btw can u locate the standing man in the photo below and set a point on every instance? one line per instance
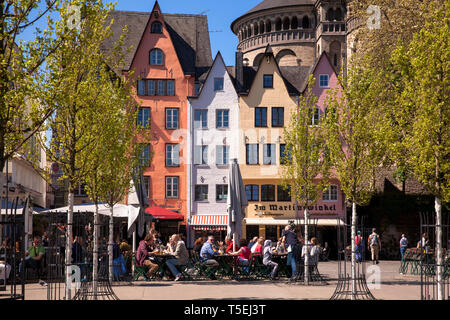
(359, 247)
(403, 245)
(374, 245)
(290, 238)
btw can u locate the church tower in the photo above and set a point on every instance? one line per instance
(331, 30)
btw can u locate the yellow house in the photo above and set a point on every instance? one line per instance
(265, 108)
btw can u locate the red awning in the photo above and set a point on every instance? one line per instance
(163, 213)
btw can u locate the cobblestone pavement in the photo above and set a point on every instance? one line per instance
(393, 286)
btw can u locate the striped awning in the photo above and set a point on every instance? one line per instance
(210, 222)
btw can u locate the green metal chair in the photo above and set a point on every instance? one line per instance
(139, 271)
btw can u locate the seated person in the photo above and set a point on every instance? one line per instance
(181, 256)
(281, 246)
(34, 257)
(258, 247)
(267, 258)
(198, 244)
(207, 252)
(244, 254)
(118, 261)
(229, 245)
(124, 246)
(144, 252)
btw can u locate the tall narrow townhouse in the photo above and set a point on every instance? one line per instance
(169, 52)
(268, 98)
(213, 123)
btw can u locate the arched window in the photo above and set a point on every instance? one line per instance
(268, 26)
(255, 27)
(249, 31)
(156, 27)
(305, 22)
(261, 27)
(156, 57)
(330, 15)
(338, 14)
(278, 24)
(286, 23)
(294, 23)
(335, 60)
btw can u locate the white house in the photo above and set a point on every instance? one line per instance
(213, 139)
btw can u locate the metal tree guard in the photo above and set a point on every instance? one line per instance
(83, 227)
(428, 256)
(315, 278)
(11, 232)
(344, 287)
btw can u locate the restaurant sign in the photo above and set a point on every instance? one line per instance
(279, 210)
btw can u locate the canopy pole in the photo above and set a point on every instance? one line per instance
(134, 251)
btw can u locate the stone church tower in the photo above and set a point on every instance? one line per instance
(297, 30)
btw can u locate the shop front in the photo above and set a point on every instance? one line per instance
(167, 222)
(202, 225)
(271, 208)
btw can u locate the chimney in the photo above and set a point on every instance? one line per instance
(240, 69)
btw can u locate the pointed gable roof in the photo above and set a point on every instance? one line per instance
(323, 56)
(218, 58)
(189, 34)
(250, 75)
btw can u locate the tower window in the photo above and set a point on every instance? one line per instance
(305, 22)
(156, 27)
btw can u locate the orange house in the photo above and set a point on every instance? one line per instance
(169, 54)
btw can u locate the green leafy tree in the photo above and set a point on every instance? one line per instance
(305, 168)
(422, 113)
(85, 91)
(21, 114)
(354, 138)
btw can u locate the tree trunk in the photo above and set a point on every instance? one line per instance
(95, 254)
(69, 241)
(439, 260)
(353, 244)
(306, 271)
(110, 246)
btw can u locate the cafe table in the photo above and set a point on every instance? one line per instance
(160, 260)
(226, 264)
(281, 259)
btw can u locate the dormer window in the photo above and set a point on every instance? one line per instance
(324, 81)
(156, 27)
(156, 57)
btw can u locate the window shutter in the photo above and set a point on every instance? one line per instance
(197, 154)
(204, 154)
(176, 155)
(219, 155)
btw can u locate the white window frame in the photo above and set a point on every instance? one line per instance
(329, 195)
(222, 82)
(145, 123)
(156, 57)
(203, 123)
(172, 124)
(174, 183)
(322, 80)
(201, 155)
(222, 155)
(172, 155)
(220, 123)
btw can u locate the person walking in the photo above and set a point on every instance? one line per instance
(374, 243)
(359, 246)
(403, 246)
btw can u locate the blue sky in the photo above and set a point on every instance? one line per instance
(220, 13)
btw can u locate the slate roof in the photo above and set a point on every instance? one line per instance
(189, 34)
(270, 4)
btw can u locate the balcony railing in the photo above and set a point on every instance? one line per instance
(284, 36)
